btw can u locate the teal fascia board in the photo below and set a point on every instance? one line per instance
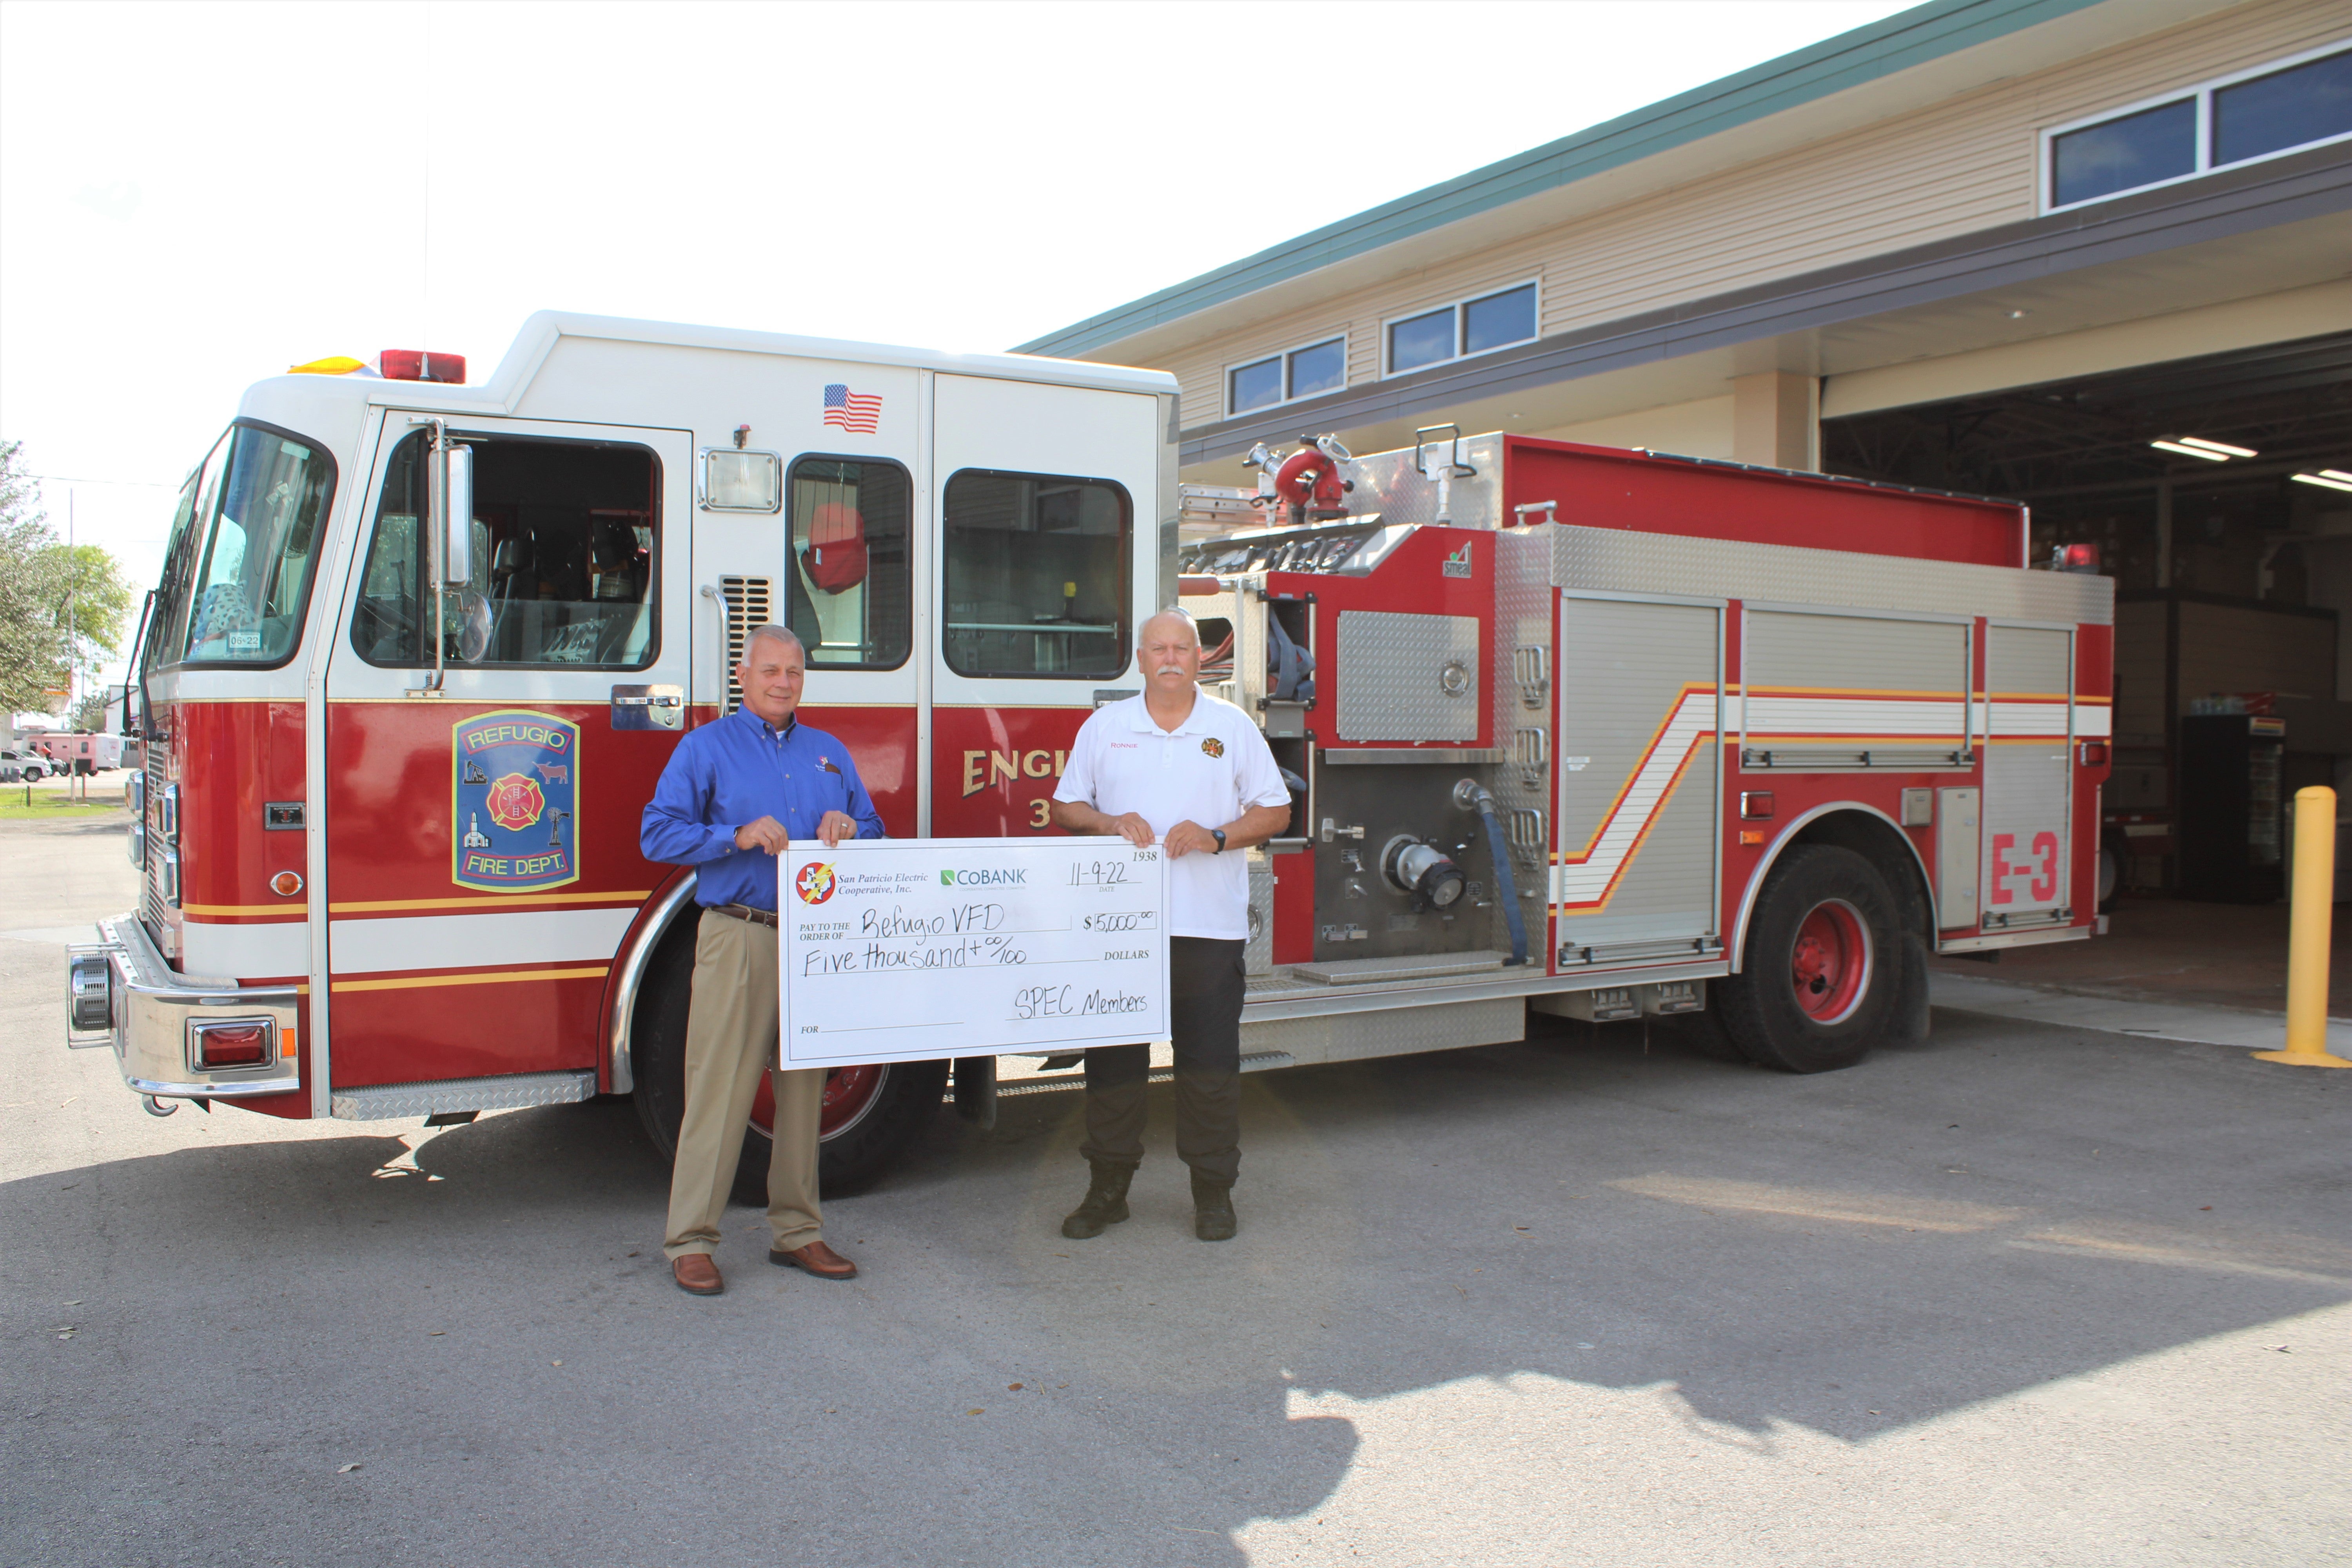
(1895, 43)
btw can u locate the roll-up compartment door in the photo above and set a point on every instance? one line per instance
(1825, 690)
(2027, 785)
(1640, 700)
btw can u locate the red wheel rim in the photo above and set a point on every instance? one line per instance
(1829, 967)
(849, 1094)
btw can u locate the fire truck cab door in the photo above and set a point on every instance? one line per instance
(481, 863)
(1640, 699)
(1048, 560)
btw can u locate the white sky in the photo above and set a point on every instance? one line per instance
(194, 196)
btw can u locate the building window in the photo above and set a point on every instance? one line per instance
(1323, 368)
(1037, 575)
(1475, 326)
(1280, 378)
(2281, 106)
(2291, 108)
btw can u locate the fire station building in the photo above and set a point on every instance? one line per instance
(2091, 255)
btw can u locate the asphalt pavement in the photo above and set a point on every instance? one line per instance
(2021, 1294)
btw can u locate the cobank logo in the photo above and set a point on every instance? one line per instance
(996, 879)
(815, 883)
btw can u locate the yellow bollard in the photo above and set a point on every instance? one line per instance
(2311, 914)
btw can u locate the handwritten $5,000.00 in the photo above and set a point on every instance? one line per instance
(908, 950)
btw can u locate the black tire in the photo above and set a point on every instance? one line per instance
(1821, 1007)
(852, 1156)
(2110, 870)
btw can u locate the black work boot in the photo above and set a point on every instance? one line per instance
(1105, 1204)
(1212, 1209)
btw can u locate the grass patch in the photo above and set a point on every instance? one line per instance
(50, 807)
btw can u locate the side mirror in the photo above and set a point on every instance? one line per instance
(452, 481)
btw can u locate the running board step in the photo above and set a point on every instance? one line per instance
(1370, 971)
(511, 1091)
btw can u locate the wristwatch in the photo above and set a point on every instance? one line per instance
(1219, 835)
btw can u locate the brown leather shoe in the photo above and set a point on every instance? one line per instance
(697, 1275)
(817, 1258)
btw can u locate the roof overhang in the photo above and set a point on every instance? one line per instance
(1894, 66)
(2274, 226)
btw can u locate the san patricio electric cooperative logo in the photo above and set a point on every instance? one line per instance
(815, 882)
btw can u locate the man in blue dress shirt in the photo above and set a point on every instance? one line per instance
(734, 795)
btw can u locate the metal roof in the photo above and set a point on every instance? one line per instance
(1896, 43)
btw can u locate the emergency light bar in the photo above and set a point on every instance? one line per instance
(419, 364)
(392, 365)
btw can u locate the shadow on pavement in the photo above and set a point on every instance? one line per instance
(485, 1325)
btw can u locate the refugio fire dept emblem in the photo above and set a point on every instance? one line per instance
(514, 785)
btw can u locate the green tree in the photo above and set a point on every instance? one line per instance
(32, 641)
(61, 604)
(87, 578)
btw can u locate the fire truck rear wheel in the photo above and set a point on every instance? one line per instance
(872, 1114)
(1822, 964)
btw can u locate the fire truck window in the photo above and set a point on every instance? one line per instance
(1037, 575)
(849, 580)
(564, 536)
(251, 545)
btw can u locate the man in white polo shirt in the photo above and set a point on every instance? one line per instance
(1179, 767)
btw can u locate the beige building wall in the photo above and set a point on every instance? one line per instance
(1950, 169)
(1700, 429)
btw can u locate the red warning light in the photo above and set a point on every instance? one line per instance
(420, 364)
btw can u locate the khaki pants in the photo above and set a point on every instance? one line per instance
(731, 1033)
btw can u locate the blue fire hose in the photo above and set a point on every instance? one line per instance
(1504, 888)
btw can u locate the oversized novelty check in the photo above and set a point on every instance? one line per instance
(904, 950)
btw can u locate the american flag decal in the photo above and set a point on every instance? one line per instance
(856, 411)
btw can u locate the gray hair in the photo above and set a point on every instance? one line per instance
(1181, 613)
(776, 633)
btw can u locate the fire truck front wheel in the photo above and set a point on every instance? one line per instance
(871, 1115)
(1822, 966)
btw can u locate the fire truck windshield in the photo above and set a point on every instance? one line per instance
(237, 573)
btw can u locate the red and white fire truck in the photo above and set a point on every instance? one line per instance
(1597, 733)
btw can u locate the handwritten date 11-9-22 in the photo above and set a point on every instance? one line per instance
(1107, 873)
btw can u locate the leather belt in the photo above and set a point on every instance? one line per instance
(746, 912)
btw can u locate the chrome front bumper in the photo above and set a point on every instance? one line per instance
(121, 992)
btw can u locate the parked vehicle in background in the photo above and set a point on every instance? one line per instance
(81, 753)
(24, 766)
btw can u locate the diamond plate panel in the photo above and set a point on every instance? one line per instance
(1407, 677)
(1258, 957)
(1523, 606)
(1390, 484)
(1610, 559)
(512, 1092)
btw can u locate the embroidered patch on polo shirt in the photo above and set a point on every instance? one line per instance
(1213, 747)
